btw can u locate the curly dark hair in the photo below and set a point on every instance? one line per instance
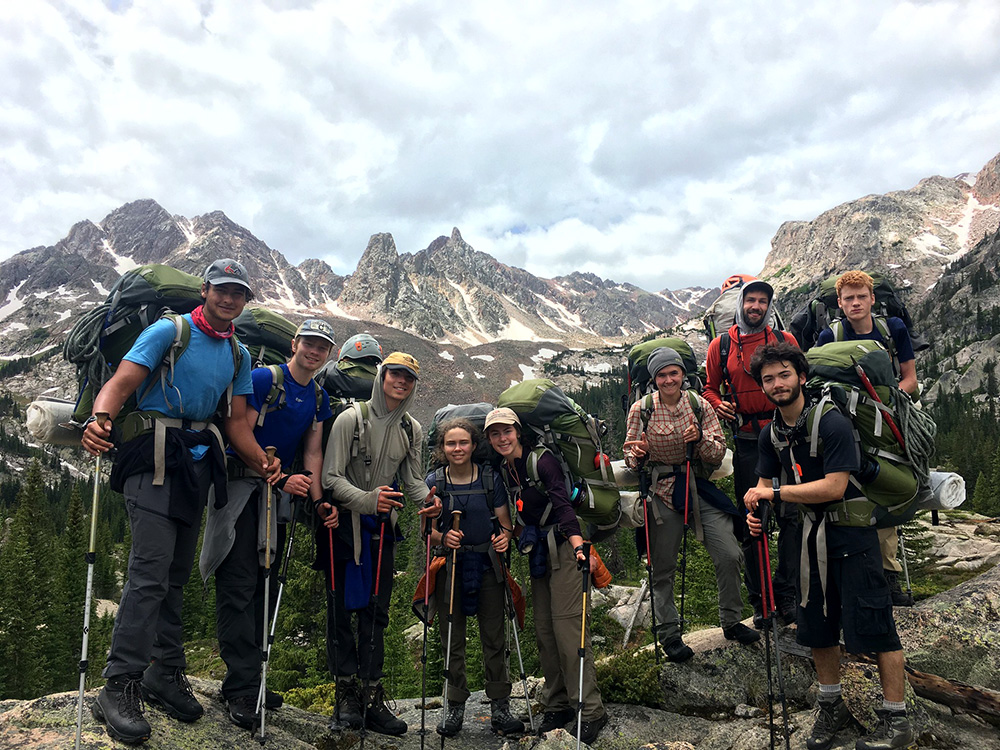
(437, 454)
(780, 352)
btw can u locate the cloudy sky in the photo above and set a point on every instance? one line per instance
(652, 141)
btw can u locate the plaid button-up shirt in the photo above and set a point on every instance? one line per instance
(665, 436)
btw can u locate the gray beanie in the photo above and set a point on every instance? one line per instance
(663, 357)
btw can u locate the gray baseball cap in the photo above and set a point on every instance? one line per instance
(228, 271)
(318, 328)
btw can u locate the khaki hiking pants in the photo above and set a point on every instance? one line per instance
(557, 599)
(888, 544)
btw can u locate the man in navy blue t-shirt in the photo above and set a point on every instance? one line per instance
(856, 297)
(287, 409)
(841, 588)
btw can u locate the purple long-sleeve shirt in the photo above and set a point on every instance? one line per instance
(534, 500)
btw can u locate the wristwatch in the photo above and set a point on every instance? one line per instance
(776, 487)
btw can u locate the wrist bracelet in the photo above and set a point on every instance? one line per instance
(578, 548)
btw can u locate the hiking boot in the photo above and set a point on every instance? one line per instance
(451, 722)
(677, 651)
(741, 633)
(899, 597)
(379, 717)
(831, 717)
(119, 705)
(892, 731)
(169, 688)
(788, 612)
(272, 700)
(347, 707)
(502, 721)
(556, 720)
(243, 711)
(590, 729)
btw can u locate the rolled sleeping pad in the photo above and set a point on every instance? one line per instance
(625, 477)
(48, 421)
(947, 491)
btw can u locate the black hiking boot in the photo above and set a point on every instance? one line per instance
(677, 651)
(831, 717)
(119, 706)
(590, 729)
(556, 720)
(243, 711)
(741, 633)
(788, 612)
(892, 731)
(272, 700)
(451, 722)
(347, 707)
(502, 721)
(899, 597)
(168, 687)
(379, 716)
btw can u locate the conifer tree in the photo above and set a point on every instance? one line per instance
(22, 606)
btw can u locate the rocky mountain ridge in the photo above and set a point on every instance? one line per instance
(448, 292)
(912, 234)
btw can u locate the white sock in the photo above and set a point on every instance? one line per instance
(829, 693)
(898, 708)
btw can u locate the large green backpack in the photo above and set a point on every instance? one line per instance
(823, 311)
(105, 334)
(575, 438)
(345, 382)
(639, 381)
(837, 380)
(266, 334)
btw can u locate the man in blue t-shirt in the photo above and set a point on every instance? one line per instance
(856, 297)
(840, 587)
(170, 452)
(287, 408)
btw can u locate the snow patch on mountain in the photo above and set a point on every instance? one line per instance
(484, 357)
(446, 355)
(13, 303)
(122, 263)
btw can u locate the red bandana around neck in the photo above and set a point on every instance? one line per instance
(198, 316)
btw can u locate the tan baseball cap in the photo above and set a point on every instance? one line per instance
(503, 415)
(402, 361)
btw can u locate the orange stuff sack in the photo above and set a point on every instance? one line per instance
(600, 576)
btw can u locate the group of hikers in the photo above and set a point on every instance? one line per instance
(173, 461)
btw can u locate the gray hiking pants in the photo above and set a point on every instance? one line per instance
(666, 532)
(148, 624)
(557, 600)
(491, 618)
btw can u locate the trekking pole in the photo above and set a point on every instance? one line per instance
(585, 568)
(423, 648)
(282, 578)
(332, 593)
(456, 516)
(684, 544)
(383, 520)
(508, 601)
(264, 652)
(906, 568)
(772, 610)
(645, 480)
(765, 574)
(91, 557)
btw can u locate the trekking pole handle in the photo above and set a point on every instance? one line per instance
(270, 451)
(456, 516)
(101, 417)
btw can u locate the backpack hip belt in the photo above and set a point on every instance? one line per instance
(141, 422)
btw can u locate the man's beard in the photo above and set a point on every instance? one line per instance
(788, 398)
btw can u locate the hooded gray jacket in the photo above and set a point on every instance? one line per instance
(354, 485)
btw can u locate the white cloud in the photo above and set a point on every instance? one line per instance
(660, 146)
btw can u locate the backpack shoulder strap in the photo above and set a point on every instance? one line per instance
(725, 341)
(695, 405)
(881, 323)
(646, 410)
(179, 344)
(837, 326)
(275, 398)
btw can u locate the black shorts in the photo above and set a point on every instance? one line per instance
(858, 599)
